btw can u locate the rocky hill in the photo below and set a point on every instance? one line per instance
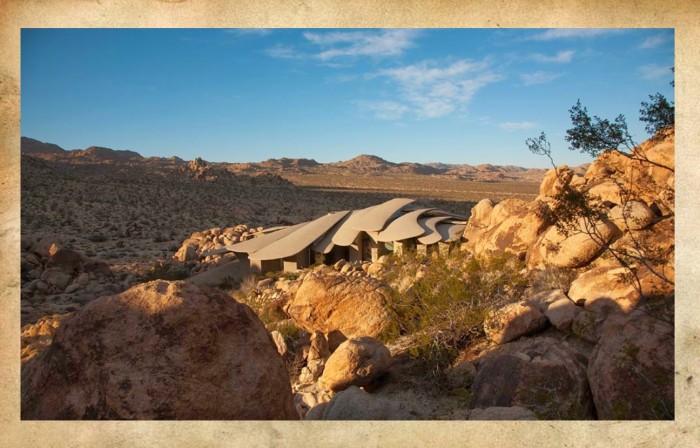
(362, 165)
(31, 146)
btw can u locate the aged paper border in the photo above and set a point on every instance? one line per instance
(683, 15)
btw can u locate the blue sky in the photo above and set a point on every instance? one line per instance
(407, 95)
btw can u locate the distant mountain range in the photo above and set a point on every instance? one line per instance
(368, 165)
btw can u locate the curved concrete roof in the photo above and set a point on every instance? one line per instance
(375, 219)
(346, 233)
(452, 215)
(297, 241)
(271, 229)
(325, 244)
(431, 235)
(449, 232)
(403, 227)
(259, 242)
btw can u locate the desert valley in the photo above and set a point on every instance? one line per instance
(520, 320)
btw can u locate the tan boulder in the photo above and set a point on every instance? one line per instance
(632, 215)
(354, 306)
(596, 171)
(186, 253)
(606, 192)
(504, 209)
(562, 313)
(161, 350)
(481, 214)
(543, 299)
(356, 362)
(608, 289)
(376, 269)
(602, 288)
(513, 321)
(555, 180)
(631, 370)
(514, 234)
(356, 404)
(574, 250)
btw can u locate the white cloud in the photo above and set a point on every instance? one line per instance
(428, 90)
(539, 77)
(517, 126)
(384, 110)
(249, 31)
(390, 42)
(281, 51)
(654, 71)
(562, 56)
(653, 41)
(575, 33)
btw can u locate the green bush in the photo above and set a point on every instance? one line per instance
(447, 307)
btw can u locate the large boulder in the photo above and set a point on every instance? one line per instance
(356, 362)
(56, 278)
(548, 378)
(602, 288)
(631, 370)
(481, 214)
(572, 249)
(160, 350)
(632, 215)
(515, 233)
(512, 321)
(504, 209)
(354, 306)
(67, 260)
(606, 193)
(562, 313)
(555, 180)
(356, 404)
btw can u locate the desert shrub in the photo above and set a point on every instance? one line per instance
(166, 271)
(98, 238)
(159, 238)
(446, 308)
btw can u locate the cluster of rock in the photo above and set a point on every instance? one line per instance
(217, 238)
(57, 279)
(610, 309)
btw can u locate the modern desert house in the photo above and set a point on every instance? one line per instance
(353, 235)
